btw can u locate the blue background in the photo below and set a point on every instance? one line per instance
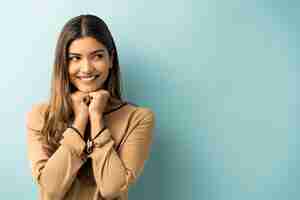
(221, 77)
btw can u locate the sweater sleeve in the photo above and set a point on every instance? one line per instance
(53, 173)
(115, 171)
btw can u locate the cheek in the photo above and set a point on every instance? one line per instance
(72, 75)
(72, 70)
(101, 66)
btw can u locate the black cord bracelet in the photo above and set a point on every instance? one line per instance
(99, 133)
(77, 131)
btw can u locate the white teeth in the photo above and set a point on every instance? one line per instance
(88, 79)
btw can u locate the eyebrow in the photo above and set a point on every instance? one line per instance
(93, 52)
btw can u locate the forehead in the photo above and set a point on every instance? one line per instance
(85, 45)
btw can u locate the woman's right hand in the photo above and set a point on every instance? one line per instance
(81, 111)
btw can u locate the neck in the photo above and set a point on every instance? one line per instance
(112, 103)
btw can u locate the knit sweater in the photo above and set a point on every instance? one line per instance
(114, 164)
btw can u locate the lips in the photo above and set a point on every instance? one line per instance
(88, 78)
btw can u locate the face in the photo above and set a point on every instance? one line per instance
(89, 64)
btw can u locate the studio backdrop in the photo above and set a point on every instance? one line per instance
(221, 77)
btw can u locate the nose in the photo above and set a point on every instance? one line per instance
(86, 66)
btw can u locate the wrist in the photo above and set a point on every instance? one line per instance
(95, 115)
(80, 126)
(97, 123)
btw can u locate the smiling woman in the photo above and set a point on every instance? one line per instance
(86, 142)
(89, 64)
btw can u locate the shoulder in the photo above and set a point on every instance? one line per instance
(34, 117)
(141, 113)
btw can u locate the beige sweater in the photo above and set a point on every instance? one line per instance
(112, 167)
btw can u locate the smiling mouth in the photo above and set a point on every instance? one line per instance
(88, 78)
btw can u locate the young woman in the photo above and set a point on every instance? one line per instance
(85, 142)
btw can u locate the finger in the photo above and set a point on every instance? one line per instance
(77, 94)
(83, 94)
(93, 94)
(101, 91)
(86, 100)
(82, 103)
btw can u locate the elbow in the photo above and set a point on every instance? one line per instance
(51, 190)
(111, 191)
(110, 194)
(52, 193)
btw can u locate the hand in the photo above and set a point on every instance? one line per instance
(81, 110)
(98, 103)
(97, 106)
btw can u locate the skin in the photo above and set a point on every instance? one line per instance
(87, 56)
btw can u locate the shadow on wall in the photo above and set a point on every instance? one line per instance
(173, 170)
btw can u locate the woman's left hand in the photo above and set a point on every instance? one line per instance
(98, 103)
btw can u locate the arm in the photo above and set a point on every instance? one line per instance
(54, 173)
(115, 171)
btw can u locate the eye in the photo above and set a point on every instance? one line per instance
(73, 58)
(99, 56)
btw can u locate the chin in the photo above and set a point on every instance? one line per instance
(89, 89)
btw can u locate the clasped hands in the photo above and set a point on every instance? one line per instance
(89, 107)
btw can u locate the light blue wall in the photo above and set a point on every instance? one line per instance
(221, 77)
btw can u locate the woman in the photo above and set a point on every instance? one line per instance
(86, 142)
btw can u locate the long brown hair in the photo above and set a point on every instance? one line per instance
(59, 112)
